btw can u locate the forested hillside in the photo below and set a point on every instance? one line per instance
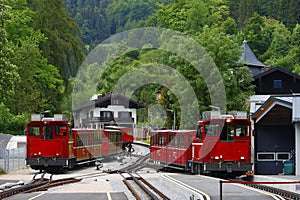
(100, 19)
(270, 28)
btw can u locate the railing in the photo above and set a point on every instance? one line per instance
(12, 159)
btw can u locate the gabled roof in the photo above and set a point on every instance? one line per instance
(121, 100)
(285, 101)
(111, 99)
(274, 69)
(249, 58)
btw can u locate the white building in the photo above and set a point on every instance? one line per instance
(113, 109)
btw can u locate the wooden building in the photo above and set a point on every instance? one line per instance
(276, 81)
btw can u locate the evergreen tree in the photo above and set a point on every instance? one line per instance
(63, 47)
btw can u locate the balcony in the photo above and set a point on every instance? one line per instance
(108, 120)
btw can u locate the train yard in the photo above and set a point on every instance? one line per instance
(123, 178)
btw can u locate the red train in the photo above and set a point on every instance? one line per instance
(53, 146)
(219, 146)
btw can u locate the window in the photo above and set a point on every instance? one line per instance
(124, 114)
(171, 140)
(265, 156)
(227, 133)
(92, 114)
(282, 156)
(107, 114)
(199, 131)
(211, 129)
(34, 131)
(61, 130)
(242, 130)
(162, 141)
(115, 101)
(47, 131)
(182, 141)
(277, 84)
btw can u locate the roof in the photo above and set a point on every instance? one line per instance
(14, 140)
(249, 58)
(274, 69)
(111, 99)
(285, 101)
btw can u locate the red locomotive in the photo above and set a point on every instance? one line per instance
(219, 146)
(52, 145)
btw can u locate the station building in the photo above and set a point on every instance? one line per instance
(275, 110)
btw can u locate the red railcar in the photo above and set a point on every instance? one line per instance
(222, 146)
(52, 145)
(171, 148)
(217, 146)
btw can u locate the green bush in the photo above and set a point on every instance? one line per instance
(11, 124)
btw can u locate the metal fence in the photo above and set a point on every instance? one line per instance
(12, 159)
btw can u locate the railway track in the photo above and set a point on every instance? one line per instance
(41, 183)
(37, 184)
(138, 186)
(281, 194)
(142, 189)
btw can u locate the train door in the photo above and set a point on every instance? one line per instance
(170, 147)
(162, 144)
(71, 144)
(182, 150)
(105, 143)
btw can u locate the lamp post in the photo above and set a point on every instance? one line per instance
(174, 118)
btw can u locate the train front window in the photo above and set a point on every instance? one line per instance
(199, 131)
(211, 129)
(227, 133)
(61, 130)
(242, 130)
(47, 131)
(34, 131)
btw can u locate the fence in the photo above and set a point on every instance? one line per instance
(12, 159)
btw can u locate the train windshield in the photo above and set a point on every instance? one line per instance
(61, 130)
(242, 130)
(227, 133)
(199, 131)
(47, 131)
(34, 131)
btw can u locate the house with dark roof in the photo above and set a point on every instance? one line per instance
(249, 59)
(113, 109)
(276, 80)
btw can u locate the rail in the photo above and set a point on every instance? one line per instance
(142, 189)
(37, 184)
(259, 185)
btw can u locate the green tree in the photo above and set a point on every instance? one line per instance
(8, 71)
(40, 86)
(63, 47)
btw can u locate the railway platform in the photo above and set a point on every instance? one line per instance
(289, 183)
(204, 187)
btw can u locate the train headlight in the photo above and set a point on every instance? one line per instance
(57, 154)
(217, 157)
(242, 158)
(40, 153)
